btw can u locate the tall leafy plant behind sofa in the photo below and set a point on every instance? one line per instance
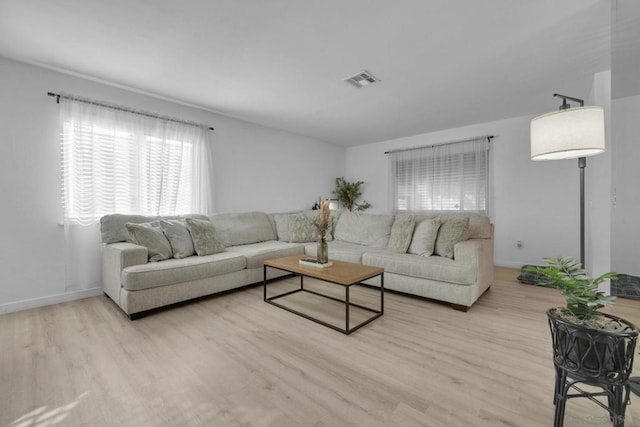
(348, 193)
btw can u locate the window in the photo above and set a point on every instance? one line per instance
(446, 177)
(121, 162)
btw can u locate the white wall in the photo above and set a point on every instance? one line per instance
(256, 168)
(269, 170)
(598, 190)
(625, 242)
(625, 119)
(535, 202)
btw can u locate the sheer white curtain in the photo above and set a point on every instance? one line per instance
(117, 161)
(452, 176)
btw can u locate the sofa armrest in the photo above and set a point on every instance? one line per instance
(479, 253)
(116, 257)
(468, 251)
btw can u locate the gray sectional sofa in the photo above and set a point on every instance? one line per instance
(459, 272)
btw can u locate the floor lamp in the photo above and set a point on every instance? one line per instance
(569, 133)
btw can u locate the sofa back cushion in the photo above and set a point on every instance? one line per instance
(282, 223)
(243, 228)
(364, 229)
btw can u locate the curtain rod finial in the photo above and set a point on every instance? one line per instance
(57, 95)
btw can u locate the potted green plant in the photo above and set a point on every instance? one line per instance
(348, 193)
(589, 346)
(584, 300)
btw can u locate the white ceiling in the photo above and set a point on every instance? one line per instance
(280, 63)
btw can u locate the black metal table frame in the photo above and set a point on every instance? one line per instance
(346, 330)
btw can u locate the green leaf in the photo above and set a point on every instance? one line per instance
(348, 193)
(581, 292)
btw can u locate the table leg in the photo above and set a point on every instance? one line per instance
(346, 309)
(382, 293)
(264, 282)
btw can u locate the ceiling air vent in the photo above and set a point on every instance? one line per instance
(361, 79)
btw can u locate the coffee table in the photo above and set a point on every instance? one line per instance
(345, 274)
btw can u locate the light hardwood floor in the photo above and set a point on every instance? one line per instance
(234, 360)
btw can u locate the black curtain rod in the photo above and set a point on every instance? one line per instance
(119, 108)
(489, 137)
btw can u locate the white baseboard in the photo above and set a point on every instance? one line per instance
(508, 264)
(49, 300)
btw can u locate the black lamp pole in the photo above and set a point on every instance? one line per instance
(582, 163)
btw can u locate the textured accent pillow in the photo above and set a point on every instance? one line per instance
(178, 235)
(401, 232)
(301, 229)
(423, 242)
(451, 232)
(149, 235)
(204, 237)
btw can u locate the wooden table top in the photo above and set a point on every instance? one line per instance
(341, 272)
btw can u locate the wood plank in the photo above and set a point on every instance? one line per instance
(235, 360)
(341, 272)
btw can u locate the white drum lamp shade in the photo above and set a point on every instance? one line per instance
(568, 134)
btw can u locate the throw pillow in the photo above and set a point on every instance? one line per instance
(178, 235)
(424, 237)
(401, 232)
(149, 235)
(204, 237)
(451, 232)
(301, 229)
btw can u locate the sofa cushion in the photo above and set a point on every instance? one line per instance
(256, 253)
(302, 228)
(113, 227)
(179, 237)
(150, 235)
(433, 267)
(283, 226)
(423, 241)
(204, 237)
(172, 271)
(364, 229)
(401, 233)
(243, 228)
(452, 231)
